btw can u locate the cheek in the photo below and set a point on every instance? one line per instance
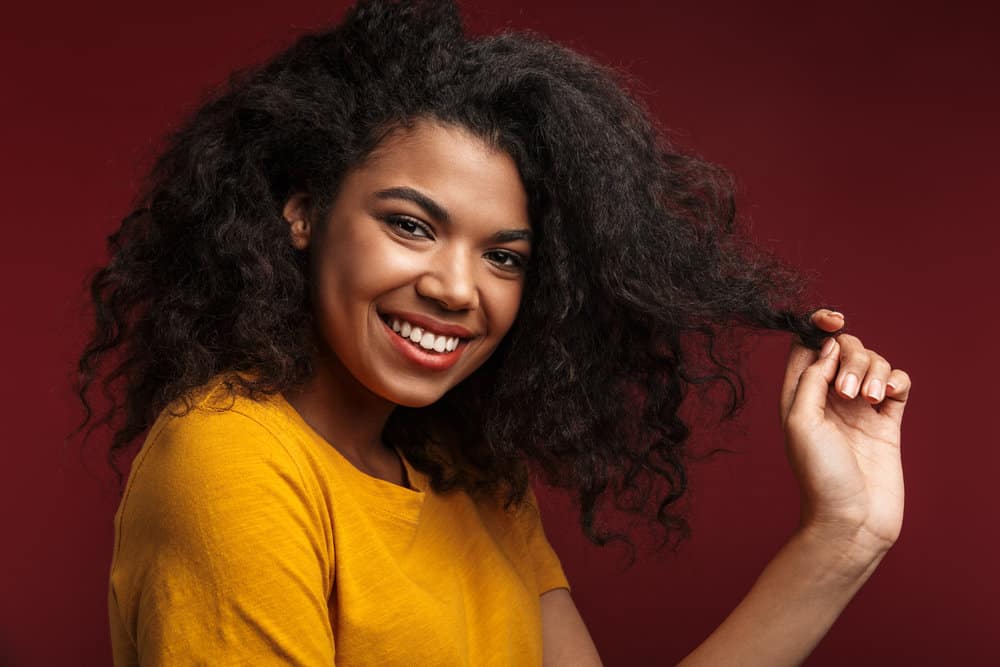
(504, 305)
(356, 267)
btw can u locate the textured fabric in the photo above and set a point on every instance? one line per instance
(243, 538)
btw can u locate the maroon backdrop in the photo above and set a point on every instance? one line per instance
(865, 140)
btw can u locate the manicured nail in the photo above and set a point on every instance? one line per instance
(875, 390)
(827, 348)
(850, 385)
(834, 313)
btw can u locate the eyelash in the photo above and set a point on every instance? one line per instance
(397, 221)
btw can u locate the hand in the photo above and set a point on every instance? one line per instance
(843, 441)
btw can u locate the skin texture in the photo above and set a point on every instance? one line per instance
(374, 254)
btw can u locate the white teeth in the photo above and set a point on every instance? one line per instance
(424, 339)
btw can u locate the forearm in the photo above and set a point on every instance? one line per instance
(790, 608)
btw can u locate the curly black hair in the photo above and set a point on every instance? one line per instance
(637, 264)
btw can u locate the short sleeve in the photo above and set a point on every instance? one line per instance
(545, 562)
(221, 556)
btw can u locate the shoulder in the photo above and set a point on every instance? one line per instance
(215, 432)
(216, 448)
(220, 477)
(526, 515)
(547, 568)
(218, 528)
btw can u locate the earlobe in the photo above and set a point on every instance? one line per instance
(296, 214)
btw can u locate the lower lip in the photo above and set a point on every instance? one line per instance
(434, 361)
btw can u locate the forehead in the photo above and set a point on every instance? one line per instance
(459, 170)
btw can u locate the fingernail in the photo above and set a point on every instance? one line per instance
(827, 349)
(875, 390)
(834, 313)
(850, 385)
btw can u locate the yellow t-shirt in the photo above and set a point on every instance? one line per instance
(245, 538)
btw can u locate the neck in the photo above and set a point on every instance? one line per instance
(345, 413)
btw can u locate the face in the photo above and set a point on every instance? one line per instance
(419, 268)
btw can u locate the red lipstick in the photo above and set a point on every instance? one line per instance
(434, 361)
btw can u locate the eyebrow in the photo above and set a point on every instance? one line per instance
(438, 212)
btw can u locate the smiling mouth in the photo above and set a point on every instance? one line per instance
(426, 341)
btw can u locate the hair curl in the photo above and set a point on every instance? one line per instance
(636, 259)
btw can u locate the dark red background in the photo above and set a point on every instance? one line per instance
(865, 140)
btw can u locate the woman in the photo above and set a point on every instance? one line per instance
(371, 288)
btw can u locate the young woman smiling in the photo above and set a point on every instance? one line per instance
(444, 218)
(373, 287)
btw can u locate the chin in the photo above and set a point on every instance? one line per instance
(412, 397)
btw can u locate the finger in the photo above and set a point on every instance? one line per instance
(897, 393)
(828, 320)
(873, 386)
(814, 383)
(799, 359)
(854, 362)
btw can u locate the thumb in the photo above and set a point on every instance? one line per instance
(808, 376)
(814, 383)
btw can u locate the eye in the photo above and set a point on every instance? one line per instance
(407, 226)
(510, 261)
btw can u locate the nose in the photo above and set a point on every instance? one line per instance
(450, 280)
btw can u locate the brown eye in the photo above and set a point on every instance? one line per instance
(409, 226)
(507, 260)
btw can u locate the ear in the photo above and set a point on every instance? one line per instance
(296, 214)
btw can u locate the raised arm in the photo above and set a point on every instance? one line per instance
(844, 447)
(843, 442)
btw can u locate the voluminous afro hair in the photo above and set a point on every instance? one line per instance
(635, 269)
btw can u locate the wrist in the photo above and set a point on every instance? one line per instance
(846, 551)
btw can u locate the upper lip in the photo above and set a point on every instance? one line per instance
(430, 324)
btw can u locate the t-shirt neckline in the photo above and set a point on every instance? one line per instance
(417, 480)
